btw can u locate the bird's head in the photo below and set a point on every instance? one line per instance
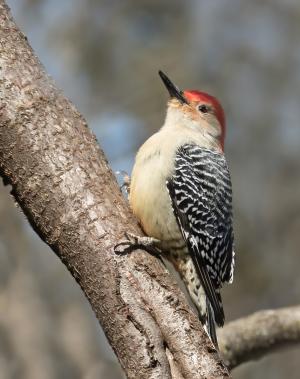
(197, 110)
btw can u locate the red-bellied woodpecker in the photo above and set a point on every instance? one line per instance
(180, 191)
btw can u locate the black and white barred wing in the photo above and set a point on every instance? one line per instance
(200, 191)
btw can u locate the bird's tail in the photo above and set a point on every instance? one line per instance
(210, 321)
(210, 324)
(207, 318)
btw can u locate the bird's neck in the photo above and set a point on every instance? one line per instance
(188, 131)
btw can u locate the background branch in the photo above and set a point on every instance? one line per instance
(63, 184)
(263, 332)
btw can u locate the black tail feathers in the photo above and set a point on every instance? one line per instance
(211, 324)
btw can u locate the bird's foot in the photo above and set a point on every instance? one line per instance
(134, 242)
(126, 180)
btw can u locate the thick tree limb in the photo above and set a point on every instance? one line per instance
(62, 182)
(263, 332)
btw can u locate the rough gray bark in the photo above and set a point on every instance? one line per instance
(255, 336)
(62, 182)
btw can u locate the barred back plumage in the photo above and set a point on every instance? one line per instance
(201, 196)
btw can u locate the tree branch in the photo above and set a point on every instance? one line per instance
(63, 184)
(263, 332)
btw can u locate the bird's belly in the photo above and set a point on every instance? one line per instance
(151, 204)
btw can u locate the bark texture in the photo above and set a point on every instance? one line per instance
(263, 332)
(61, 180)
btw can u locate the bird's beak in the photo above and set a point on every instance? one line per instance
(173, 90)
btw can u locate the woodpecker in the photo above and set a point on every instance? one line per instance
(180, 191)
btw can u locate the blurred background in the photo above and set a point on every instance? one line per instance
(105, 55)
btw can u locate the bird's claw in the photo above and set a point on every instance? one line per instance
(128, 245)
(134, 242)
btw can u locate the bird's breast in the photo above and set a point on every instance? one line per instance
(149, 198)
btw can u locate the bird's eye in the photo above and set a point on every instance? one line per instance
(203, 108)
